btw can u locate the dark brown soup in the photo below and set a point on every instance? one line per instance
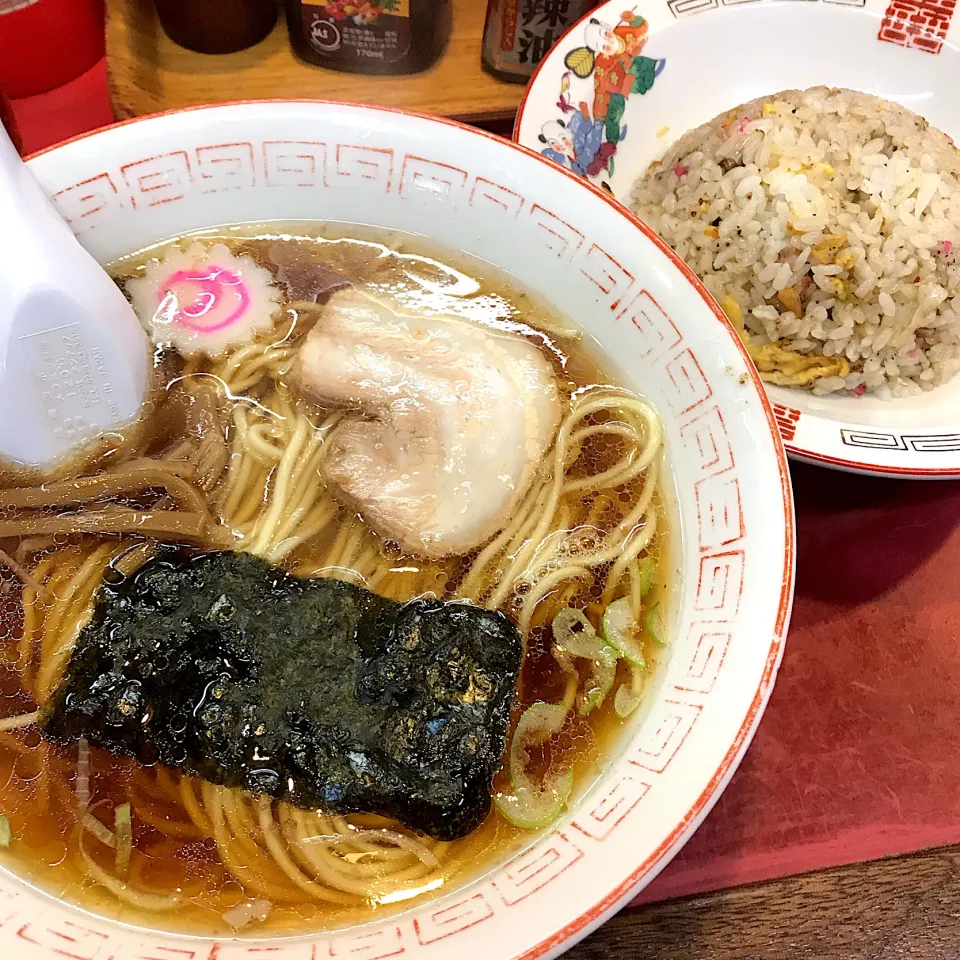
(228, 455)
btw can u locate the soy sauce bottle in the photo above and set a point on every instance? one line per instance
(369, 36)
(216, 26)
(519, 33)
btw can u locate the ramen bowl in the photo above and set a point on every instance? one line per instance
(698, 69)
(574, 249)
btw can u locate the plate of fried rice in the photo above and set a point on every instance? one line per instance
(799, 158)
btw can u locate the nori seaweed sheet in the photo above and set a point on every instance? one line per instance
(316, 692)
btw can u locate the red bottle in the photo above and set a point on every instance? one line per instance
(9, 123)
(47, 43)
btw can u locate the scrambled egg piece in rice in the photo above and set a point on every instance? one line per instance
(777, 365)
(786, 368)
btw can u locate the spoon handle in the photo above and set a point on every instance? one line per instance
(25, 212)
(73, 358)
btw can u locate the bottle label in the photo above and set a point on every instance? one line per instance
(520, 32)
(358, 30)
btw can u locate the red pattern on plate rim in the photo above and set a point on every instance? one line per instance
(917, 24)
(787, 420)
(947, 473)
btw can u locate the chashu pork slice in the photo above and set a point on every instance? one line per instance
(452, 420)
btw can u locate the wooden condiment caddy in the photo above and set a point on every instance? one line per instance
(148, 72)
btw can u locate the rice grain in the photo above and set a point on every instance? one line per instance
(835, 202)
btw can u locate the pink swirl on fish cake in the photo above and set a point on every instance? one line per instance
(216, 284)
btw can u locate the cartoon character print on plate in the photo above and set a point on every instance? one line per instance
(586, 138)
(577, 142)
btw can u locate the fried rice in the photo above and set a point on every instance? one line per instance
(827, 224)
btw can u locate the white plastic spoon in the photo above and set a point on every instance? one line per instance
(73, 356)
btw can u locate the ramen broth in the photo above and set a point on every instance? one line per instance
(46, 790)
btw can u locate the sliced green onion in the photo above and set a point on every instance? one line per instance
(599, 683)
(6, 834)
(629, 694)
(124, 832)
(539, 722)
(574, 632)
(104, 834)
(533, 808)
(572, 683)
(620, 631)
(647, 572)
(574, 636)
(655, 625)
(528, 804)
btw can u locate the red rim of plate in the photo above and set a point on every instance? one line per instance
(812, 456)
(823, 459)
(594, 915)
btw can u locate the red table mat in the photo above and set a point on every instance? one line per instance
(856, 755)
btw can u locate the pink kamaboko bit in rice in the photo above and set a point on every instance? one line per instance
(825, 222)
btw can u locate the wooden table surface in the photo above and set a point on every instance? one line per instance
(903, 907)
(148, 72)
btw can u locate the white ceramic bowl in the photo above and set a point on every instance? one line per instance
(142, 181)
(720, 53)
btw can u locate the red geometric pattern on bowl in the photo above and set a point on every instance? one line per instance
(659, 331)
(534, 869)
(558, 236)
(182, 177)
(707, 434)
(376, 945)
(439, 924)
(611, 279)
(664, 733)
(599, 818)
(690, 385)
(487, 192)
(368, 163)
(719, 511)
(295, 163)
(720, 586)
(421, 177)
(88, 200)
(228, 166)
(165, 178)
(704, 667)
